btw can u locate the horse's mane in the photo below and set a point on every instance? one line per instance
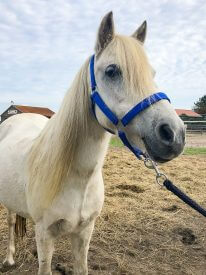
(51, 157)
(52, 153)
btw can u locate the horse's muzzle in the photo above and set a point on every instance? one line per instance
(165, 144)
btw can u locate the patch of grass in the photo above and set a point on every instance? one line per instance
(116, 142)
(195, 151)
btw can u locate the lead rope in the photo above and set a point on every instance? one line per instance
(149, 163)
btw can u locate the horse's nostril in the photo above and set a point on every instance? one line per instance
(166, 133)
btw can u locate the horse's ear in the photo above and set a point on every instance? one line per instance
(140, 33)
(105, 33)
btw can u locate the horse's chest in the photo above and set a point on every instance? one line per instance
(81, 207)
(89, 206)
(64, 226)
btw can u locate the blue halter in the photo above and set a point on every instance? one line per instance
(141, 106)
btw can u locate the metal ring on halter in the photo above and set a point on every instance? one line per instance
(149, 163)
(161, 175)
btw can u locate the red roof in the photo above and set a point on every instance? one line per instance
(187, 113)
(37, 110)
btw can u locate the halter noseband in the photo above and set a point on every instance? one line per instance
(141, 106)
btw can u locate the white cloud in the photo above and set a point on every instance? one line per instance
(43, 43)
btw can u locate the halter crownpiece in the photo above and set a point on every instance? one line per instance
(126, 119)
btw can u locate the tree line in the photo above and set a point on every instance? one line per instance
(200, 105)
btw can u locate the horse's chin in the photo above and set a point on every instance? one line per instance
(159, 160)
(153, 155)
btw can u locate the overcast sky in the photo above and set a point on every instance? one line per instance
(44, 43)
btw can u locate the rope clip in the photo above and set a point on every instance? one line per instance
(150, 164)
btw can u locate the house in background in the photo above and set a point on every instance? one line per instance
(19, 109)
(188, 115)
(194, 121)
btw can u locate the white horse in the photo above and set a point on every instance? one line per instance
(51, 170)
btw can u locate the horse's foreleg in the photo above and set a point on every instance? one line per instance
(45, 248)
(9, 261)
(80, 246)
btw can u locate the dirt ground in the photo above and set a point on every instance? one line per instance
(143, 229)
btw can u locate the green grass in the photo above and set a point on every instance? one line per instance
(195, 151)
(116, 142)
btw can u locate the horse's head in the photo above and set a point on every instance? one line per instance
(124, 77)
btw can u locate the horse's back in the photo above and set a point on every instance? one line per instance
(16, 137)
(22, 125)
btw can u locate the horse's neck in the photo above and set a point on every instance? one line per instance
(89, 141)
(91, 144)
(91, 151)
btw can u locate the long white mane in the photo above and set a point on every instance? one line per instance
(51, 156)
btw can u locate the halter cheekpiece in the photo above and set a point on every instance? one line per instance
(126, 119)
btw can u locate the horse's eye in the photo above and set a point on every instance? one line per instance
(112, 71)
